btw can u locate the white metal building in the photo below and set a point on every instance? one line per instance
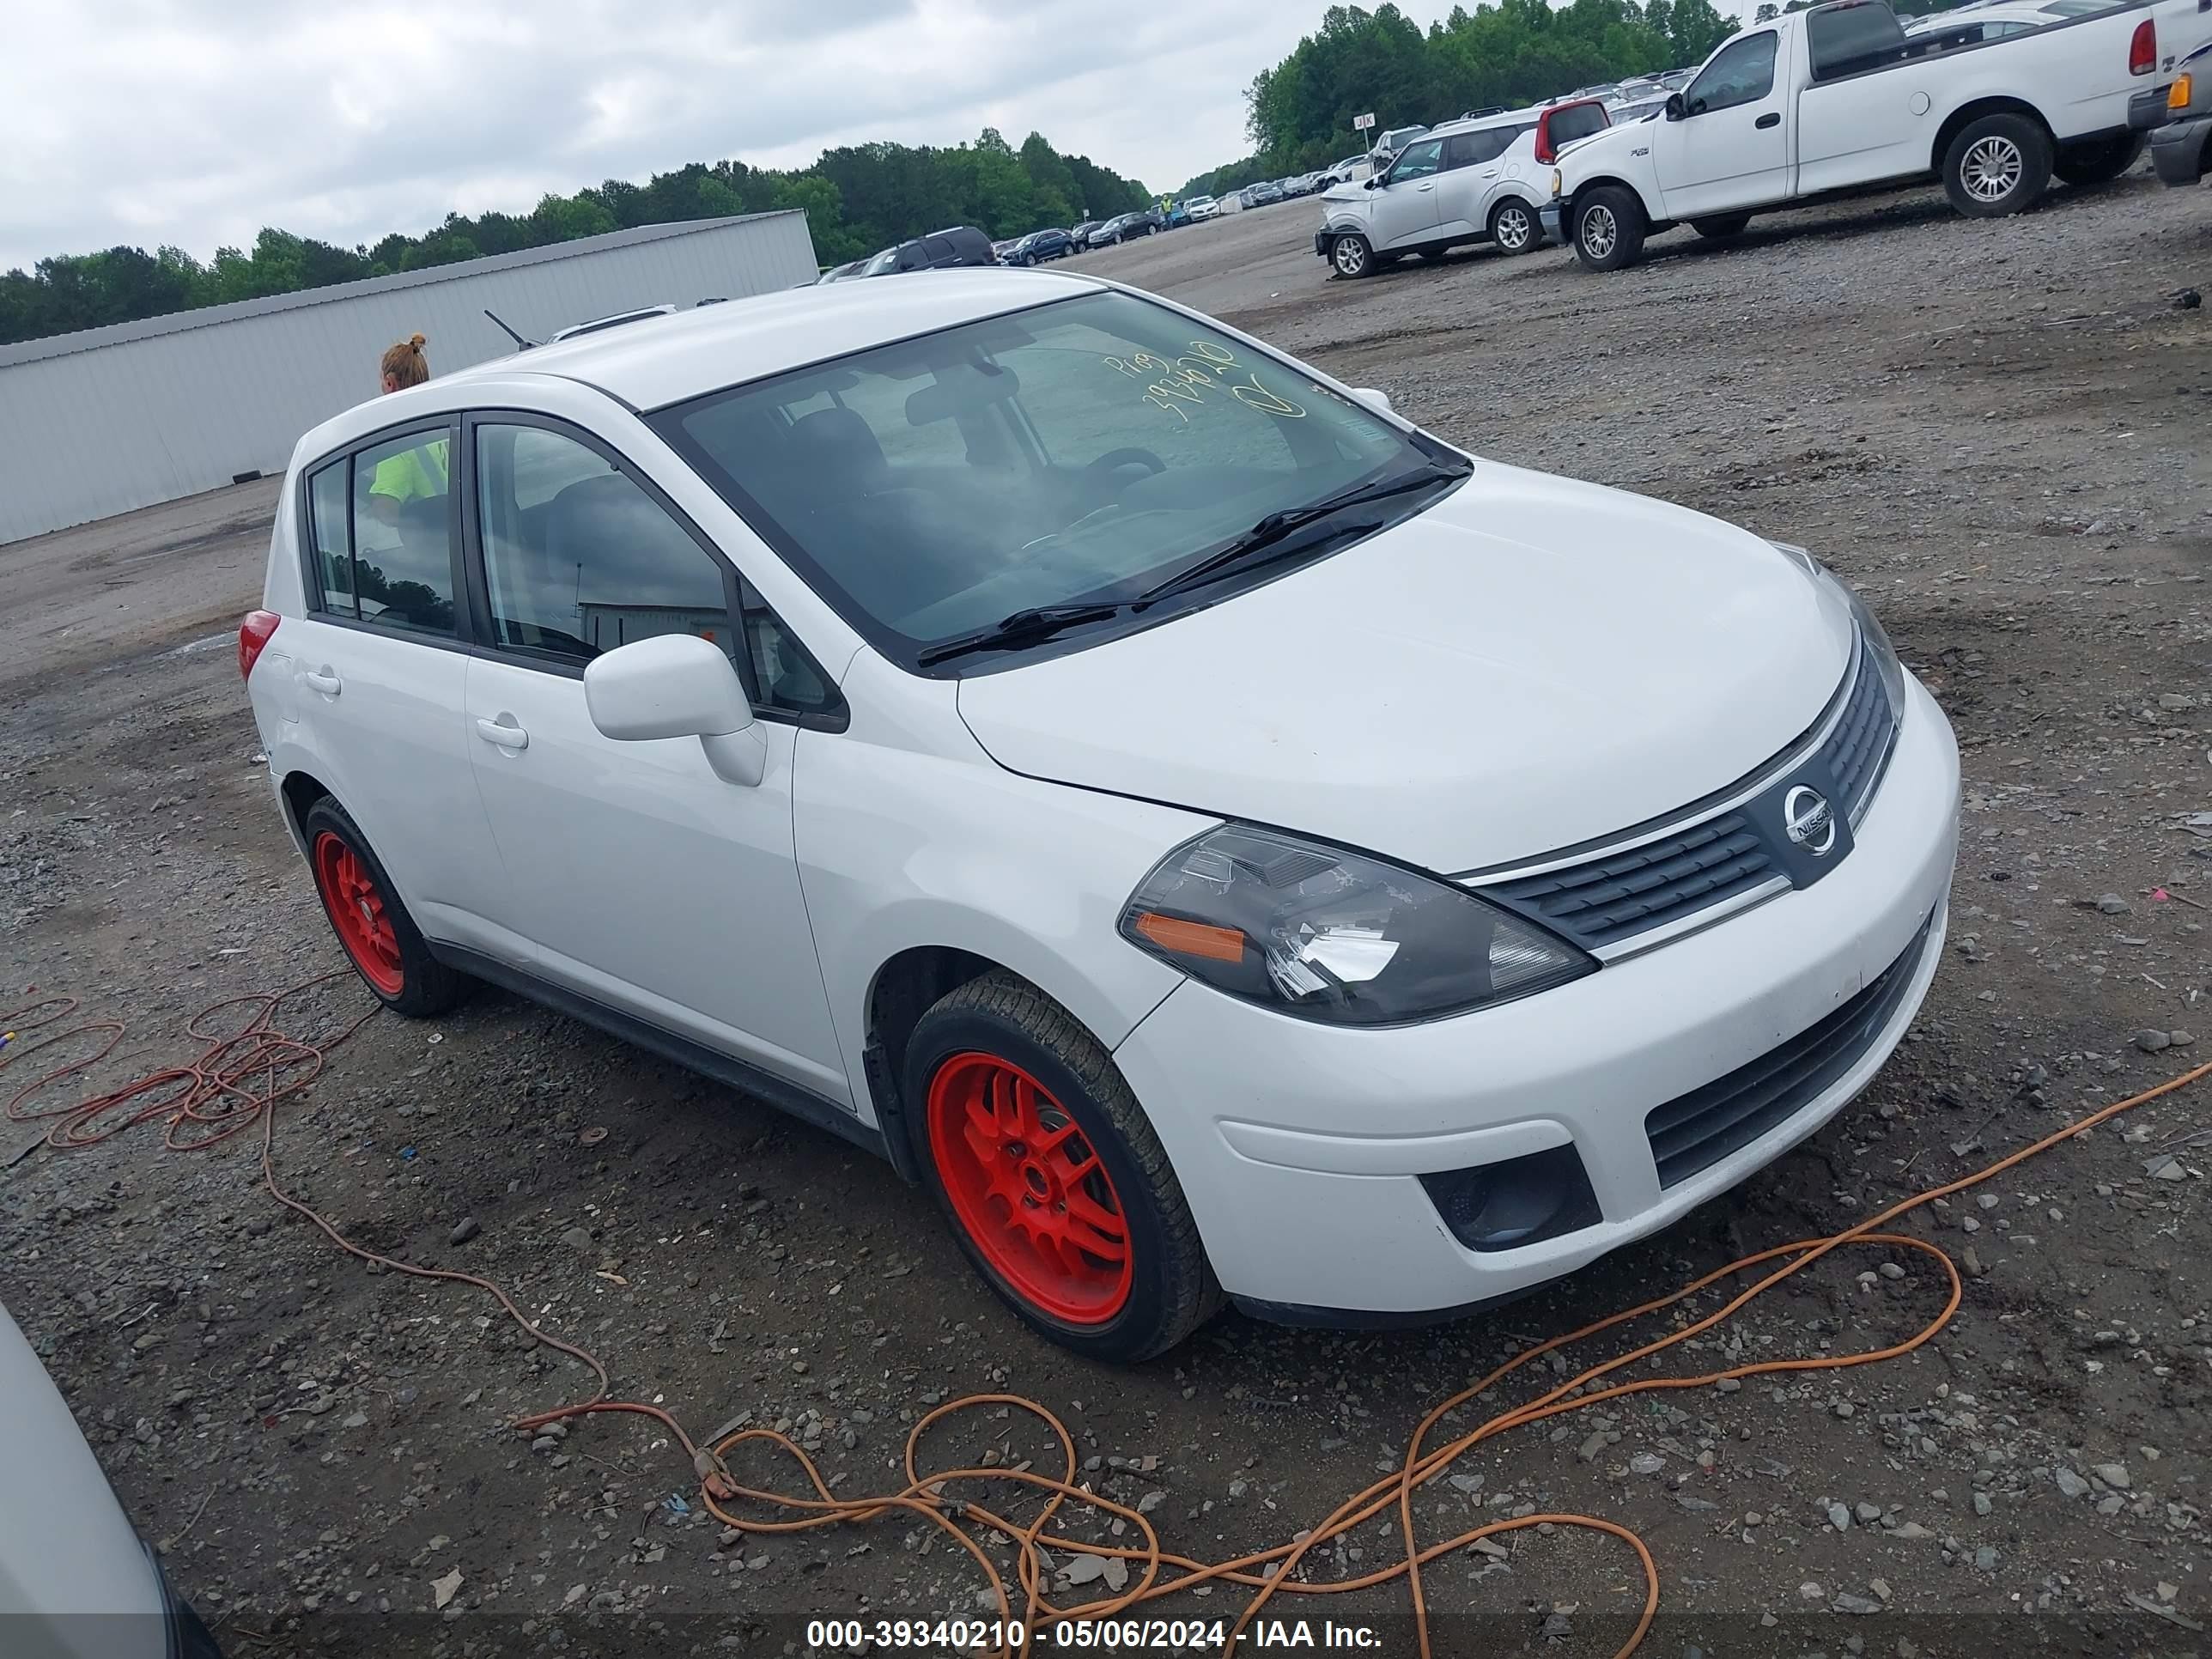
(109, 419)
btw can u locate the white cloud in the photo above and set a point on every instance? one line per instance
(197, 121)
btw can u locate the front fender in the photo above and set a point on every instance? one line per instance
(922, 839)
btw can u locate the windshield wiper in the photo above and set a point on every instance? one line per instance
(1276, 525)
(1023, 628)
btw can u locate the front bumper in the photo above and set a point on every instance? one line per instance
(2178, 149)
(2147, 109)
(1553, 216)
(1299, 1146)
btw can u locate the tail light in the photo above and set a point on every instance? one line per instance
(1545, 154)
(255, 632)
(2143, 48)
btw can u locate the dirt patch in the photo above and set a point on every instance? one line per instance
(1995, 430)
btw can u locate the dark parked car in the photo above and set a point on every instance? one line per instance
(962, 245)
(1040, 245)
(1122, 228)
(1080, 235)
(1260, 195)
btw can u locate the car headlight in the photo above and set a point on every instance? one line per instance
(1870, 628)
(1557, 179)
(1326, 934)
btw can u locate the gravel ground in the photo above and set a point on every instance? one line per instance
(1997, 430)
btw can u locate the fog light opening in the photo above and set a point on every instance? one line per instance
(1520, 1200)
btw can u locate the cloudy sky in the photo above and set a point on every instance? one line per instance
(197, 121)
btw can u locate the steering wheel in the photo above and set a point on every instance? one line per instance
(1115, 459)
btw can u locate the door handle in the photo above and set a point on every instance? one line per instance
(1490, 172)
(503, 733)
(324, 681)
(1770, 119)
(1424, 187)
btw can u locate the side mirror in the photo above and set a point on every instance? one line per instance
(677, 686)
(1674, 110)
(1377, 401)
(1371, 181)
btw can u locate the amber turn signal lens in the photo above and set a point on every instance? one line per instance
(2178, 94)
(1192, 938)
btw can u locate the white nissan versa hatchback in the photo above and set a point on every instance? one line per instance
(1218, 837)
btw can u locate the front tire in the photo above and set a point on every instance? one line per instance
(1721, 226)
(1051, 1176)
(377, 934)
(1352, 256)
(1995, 166)
(1515, 228)
(1609, 228)
(2100, 161)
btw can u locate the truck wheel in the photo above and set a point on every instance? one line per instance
(1514, 229)
(1995, 166)
(1609, 228)
(2099, 161)
(1352, 256)
(1051, 1176)
(379, 938)
(1721, 226)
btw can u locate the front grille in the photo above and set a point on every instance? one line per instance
(1695, 1131)
(1610, 899)
(1856, 748)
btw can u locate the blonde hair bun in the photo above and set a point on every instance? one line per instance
(418, 342)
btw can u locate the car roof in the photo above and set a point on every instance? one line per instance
(707, 347)
(1505, 117)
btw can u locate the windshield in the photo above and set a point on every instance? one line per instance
(1085, 450)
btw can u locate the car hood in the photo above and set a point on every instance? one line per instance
(1530, 663)
(1592, 145)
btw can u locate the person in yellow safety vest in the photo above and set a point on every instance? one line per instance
(412, 474)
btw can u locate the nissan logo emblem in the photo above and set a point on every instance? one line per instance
(1810, 821)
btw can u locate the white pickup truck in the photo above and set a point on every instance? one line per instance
(1836, 99)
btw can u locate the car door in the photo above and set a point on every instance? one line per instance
(1730, 149)
(1470, 171)
(646, 882)
(1405, 212)
(379, 663)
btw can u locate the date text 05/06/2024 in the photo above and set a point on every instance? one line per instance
(1112, 1635)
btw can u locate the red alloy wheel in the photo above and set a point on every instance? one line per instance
(357, 912)
(1029, 1188)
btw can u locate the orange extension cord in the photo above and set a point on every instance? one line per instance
(237, 1080)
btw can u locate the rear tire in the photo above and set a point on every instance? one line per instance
(1515, 228)
(1609, 228)
(1352, 256)
(1995, 166)
(1038, 1151)
(1721, 226)
(2100, 161)
(373, 928)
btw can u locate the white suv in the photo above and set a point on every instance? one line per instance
(1215, 835)
(1481, 180)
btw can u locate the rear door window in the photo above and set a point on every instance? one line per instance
(396, 570)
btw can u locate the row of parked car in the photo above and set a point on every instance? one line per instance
(1994, 100)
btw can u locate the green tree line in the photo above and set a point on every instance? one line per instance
(1514, 53)
(857, 199)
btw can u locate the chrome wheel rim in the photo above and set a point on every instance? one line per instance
(1513, 228)
(1992, 168)
(1600, 233)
